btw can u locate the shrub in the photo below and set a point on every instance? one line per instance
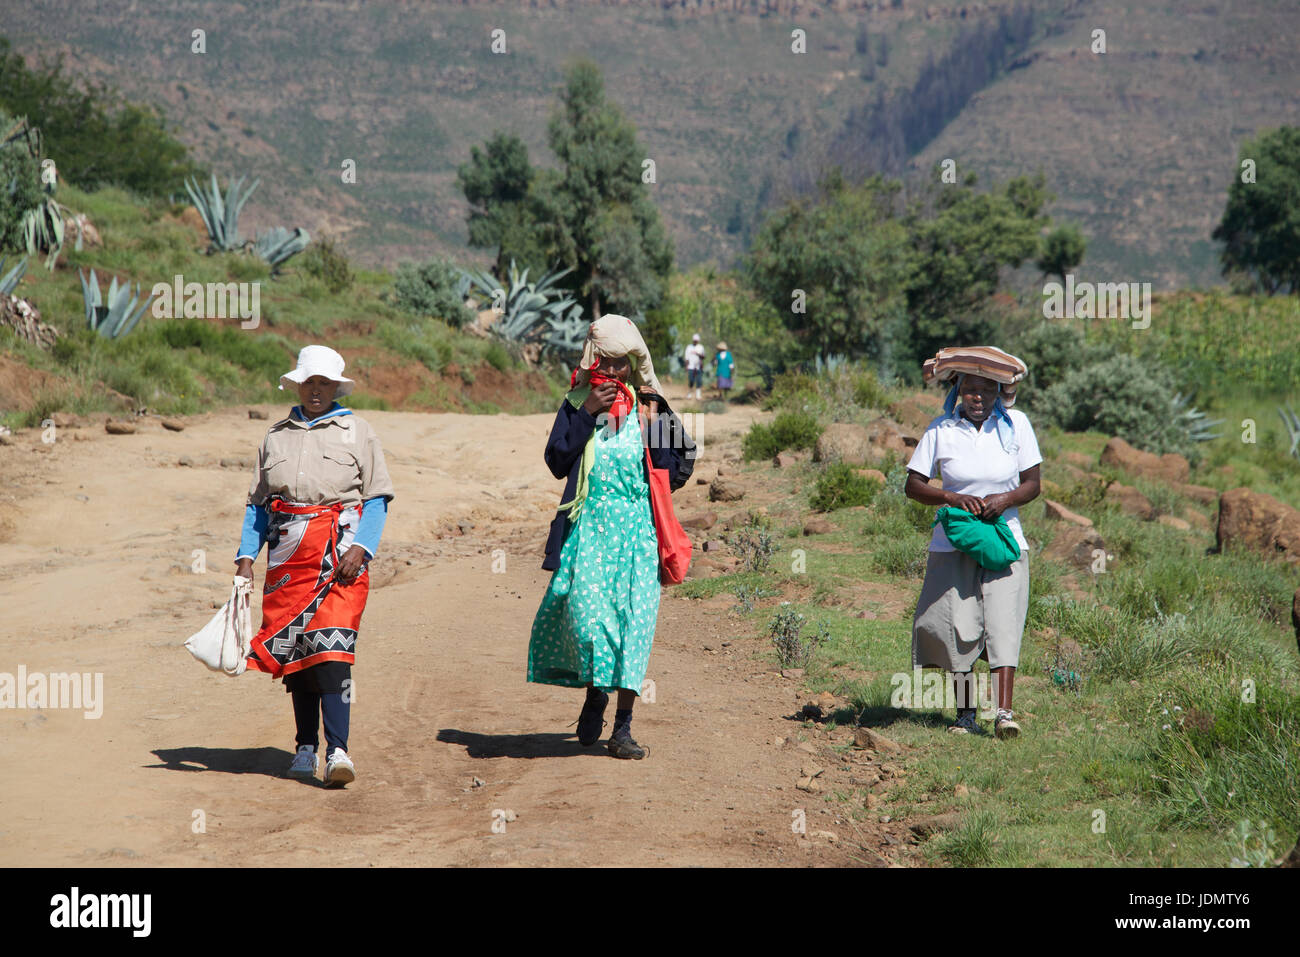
(790, 430)
(754, 546)
(326, 262)
(1119, 396)
(793, 648)
(840, 486)
(497, 357)
(431, 289)
(904, 557)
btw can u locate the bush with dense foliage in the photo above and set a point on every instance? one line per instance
(433, 288)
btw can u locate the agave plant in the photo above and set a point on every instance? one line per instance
(9, 280)
(830, 363)
(1193, 421)
(115, 314)
(539, 312)
(1292, 427)
(221, 214)
(277, 245)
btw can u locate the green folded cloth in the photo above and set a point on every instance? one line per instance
(991, 544)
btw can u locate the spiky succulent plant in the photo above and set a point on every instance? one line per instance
(115, 314)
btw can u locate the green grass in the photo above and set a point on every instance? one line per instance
(1171, 636)
(185, 365)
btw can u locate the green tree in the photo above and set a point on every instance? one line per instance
(1063, 249)
(93, 135)
(959, 241)
(20, 186)
(599, 216)
(1260, 228)
(505, 212)
(834, 266)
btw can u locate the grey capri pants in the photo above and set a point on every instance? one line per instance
(966, 612)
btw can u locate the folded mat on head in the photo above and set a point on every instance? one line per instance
(988, 361)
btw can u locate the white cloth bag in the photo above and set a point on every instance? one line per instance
(226, 641)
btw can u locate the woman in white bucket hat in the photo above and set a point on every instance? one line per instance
(319, 501)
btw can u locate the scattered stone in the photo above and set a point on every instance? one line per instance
(701, 522)
(827, 836)
(812, 710)
(725, 491)
(236, 463)
(843, 442)
(113, 427)
(890, 770)
(817, 526)
(1161, 468)
(778, 741)
(1130, 500)
(173, 425)
(807, 747)
(1197, 520)
(721, 470)
(870, 738)
(66, 420)
(869, 778)
(810, 785)
(1256, 520)
(82, 498)
(1200, 493)
(1075, 545)
(256, 414)
(1174, 522)
(701, 481)
(185, 461)
(713, 545)
(511, 816)
(1057, 511)
(810, 770)
(791, 672)
(465, 527)
(867, 615)
(476, 782)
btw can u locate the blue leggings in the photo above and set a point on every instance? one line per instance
(309, 706)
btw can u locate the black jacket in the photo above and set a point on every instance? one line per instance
(670, 448)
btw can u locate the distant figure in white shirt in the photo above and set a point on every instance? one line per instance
(988, 456)
(694, 366)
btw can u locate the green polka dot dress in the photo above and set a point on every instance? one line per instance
(597, 618)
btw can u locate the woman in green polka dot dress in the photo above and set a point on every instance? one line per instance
(596, 622)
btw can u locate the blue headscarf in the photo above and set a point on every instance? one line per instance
(1001, 417)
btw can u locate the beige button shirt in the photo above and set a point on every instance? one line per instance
(336, 460)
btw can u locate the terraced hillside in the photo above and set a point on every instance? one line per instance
(1138, 143)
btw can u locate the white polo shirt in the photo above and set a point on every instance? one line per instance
(972, 462)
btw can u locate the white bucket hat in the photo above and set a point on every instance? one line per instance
(318, 360)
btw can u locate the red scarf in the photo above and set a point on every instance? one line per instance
(622, 404)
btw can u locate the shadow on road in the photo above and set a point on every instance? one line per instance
(269, 761)
(518, 745)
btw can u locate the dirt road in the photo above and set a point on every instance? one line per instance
(100, 536)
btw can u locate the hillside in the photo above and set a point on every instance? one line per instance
(1138, 144)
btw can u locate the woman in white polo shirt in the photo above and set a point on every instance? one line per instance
(989, 459)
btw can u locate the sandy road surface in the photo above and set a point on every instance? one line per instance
(96, 576)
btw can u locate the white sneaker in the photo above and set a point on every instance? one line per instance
(1004, 725)
(305, 762)
(339, 769)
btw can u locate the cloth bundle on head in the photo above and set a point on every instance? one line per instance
(612, 336)
(991, 363)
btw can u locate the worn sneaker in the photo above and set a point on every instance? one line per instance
(592, 719)
(965, 723)
(1004, 725)
(622, 746)
(305, 762)
(339, 769)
